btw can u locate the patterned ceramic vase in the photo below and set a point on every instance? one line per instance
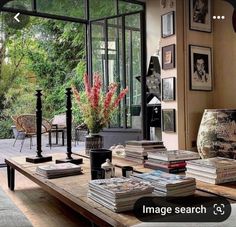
(93, 141)
(217, 133)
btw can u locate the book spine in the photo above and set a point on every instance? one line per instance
(170, 165)
(225, 180)
(167, 170)
(165, 162)
(211, 169)
(201, 178)
(228, 174)
(144, 144)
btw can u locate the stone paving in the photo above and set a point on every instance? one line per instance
(8, 150)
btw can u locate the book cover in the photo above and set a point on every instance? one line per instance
(146, 147)
(174, 155)
(58, 167)
(211, 180)
(219, 175)
(143, 142)
(165, 179)
(217, 164)
(122, 187)
(165, 169)
(181, 164)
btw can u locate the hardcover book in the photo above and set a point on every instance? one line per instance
(144, 143)
(122, 187)
(58, 170)
(214, 165)
(165, 179)
(174, 155)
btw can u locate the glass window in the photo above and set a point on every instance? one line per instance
(98, 48)
(69, 8)
(127, 7)
(20, 4)
(113, 68)
(102, 8)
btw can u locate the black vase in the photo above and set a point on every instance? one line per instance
(93, 141)
(97, 158)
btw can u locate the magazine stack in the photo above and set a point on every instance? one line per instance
(119, 194)
(137, 151)
(215, 170)
(58, 170)
(172, 161)
(166, 184)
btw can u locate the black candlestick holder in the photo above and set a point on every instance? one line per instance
(39, 158)
(68, 130)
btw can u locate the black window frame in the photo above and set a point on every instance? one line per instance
(87, 22)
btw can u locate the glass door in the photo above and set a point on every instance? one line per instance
(116, 55)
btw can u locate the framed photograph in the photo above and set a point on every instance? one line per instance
(168, 120)
(200, 15)
(168, 24)
(200, 68)
(168, 89)
(168, 57)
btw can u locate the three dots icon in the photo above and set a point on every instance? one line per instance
(218, 17)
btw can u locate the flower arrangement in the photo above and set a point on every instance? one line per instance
(96, 107)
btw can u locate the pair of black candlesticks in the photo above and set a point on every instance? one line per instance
(39, 158)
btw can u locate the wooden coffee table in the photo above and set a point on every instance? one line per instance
(73, 190)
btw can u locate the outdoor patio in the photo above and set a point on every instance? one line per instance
(7, 149)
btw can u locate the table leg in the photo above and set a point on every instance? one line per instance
(63, 138)
(8, 175)
(50, 139)
(56, 137)
(93, 224)
(12, 178)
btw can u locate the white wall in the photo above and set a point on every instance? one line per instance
(153, 27)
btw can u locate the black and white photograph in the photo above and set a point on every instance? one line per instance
(200, 68)
(167, 24)
(168, 120)
(200, 15)
(168, 89)
(168, 57)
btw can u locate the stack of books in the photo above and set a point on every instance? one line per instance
(172, 161)
(166, 184)
(137, 151)
(58, 170)
(119, 194)
(215, 170)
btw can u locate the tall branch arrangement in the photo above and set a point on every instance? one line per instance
(97, 107)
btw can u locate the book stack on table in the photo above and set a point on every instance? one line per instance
(137, 151)
(119, 194)
(171, 161)
(58, 170)
(215, 170)
(166, 184)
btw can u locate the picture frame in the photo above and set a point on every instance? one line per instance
(168, 57)
(168, 89)
(200, 68)
(200, 18)
(168, 120)
(168, 24)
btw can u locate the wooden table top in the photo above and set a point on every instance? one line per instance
(72, 190)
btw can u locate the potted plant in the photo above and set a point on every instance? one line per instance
(97, 108)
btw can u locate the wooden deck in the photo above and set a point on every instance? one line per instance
(7, 150)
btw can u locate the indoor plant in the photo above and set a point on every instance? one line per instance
(97, 107)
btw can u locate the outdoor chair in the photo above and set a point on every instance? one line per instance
(19, 129)
(28, 123)
(58, 123)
